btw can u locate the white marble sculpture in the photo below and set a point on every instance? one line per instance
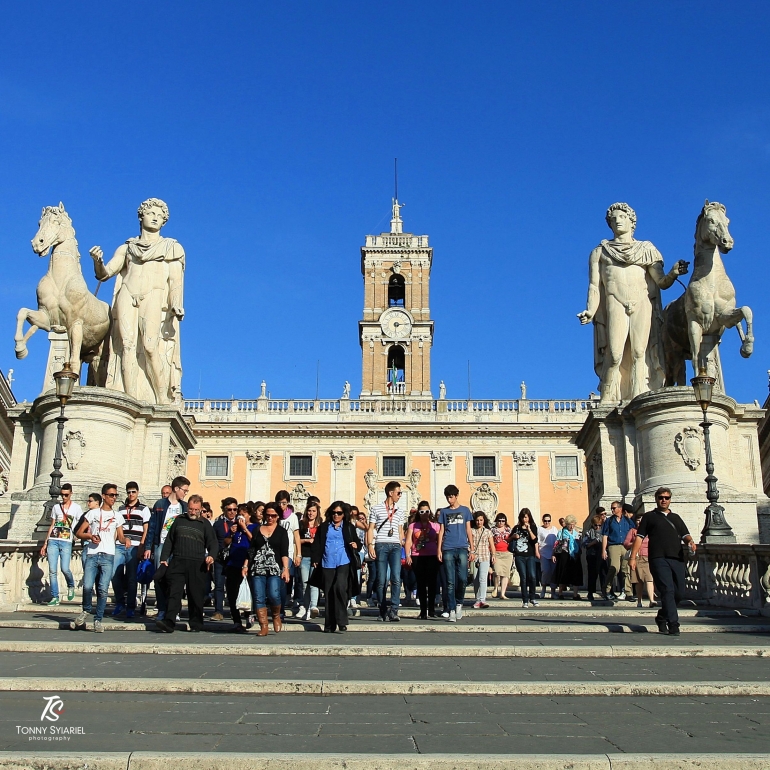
(625, 279)
(372, 496)
(441, 390)
(64, 303)
(695, 323)
(346, 390)
(145, 359)
(523, 387)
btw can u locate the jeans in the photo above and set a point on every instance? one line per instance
(388, 556)
(161, 599)
(124, 580)
(266, 589)
(98, 568)
(480, 581)
(310, 598)
(371, 581)
(547, 568)
(59, 549)
(668, 576)
(285, 587)
(456, 563)
(526, 567)
(219, 587)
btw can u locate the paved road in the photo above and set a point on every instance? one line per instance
(433, 668)
(386, 724)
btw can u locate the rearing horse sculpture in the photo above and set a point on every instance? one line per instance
(694, 323)
(64, 302)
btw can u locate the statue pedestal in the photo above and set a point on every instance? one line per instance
(656, 441)
(108, 437)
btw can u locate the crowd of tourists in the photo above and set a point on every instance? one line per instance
(276, 560)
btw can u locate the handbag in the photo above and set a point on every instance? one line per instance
(316, 579)
(561, 546)
(223, 555)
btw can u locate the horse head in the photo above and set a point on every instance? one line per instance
(55, 226)
(712, 228)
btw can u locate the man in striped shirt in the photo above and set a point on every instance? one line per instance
(385, 539)
(136, 518)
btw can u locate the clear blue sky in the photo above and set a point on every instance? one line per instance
(270, 130)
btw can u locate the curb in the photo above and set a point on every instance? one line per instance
(144, 760)
(435, 628)
(257, 649)
(355, 687)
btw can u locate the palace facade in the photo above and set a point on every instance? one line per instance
(503, 454)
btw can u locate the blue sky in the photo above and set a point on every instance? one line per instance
(270, 130)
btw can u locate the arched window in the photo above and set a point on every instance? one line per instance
(395, 373)
(396, 291)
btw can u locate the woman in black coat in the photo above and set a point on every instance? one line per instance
(335, 553)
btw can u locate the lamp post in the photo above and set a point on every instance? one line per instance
(716, 529)
(65, 383)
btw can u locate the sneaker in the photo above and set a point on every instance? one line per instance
(314, 613)
(662, 626)
(70, 593)
(535, 603)
(445, 615)
(673, 629)
(54, 602)
(351, 612)
(525, 605)
(382, 618)
(79, 624)
(393, 616)
(118, 609)
(215, 616)
(98, 627)
(250, 621)
(129, 614)
(165, 625)
(478, 605)
(621, 596)
(301, 612)
(178, 617)
(453, 617)
(459, 611)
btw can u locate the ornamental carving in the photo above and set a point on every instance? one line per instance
(372, 493)
(4, 482)
(258, 460)
(176, 462)
(342, 459)
(72, 448)
(484, 499)
(299, 496)
(689, 446)
(524, 459)
(442, 459)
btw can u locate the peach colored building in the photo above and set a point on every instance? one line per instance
(503, 454)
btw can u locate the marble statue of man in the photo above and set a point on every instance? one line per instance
(625, 279)
(145, 360)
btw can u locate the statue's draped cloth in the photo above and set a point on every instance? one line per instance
(161, 250)
(642, 254)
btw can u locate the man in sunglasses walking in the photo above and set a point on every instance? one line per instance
(666, 532)
(385, 539)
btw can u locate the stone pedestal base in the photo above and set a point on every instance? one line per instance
(656, 440)
(108, 437)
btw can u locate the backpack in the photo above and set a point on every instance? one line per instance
(145, 572)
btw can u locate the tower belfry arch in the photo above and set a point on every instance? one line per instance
(396, 330)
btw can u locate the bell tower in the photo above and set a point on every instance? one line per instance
(396, 331)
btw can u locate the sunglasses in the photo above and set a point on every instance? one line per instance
(65, 494)
(338, 513)
(271, 515)
(664, 497)
(110, 494)
(231, 509)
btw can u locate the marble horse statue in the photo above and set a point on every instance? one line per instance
(694, 323)
(64, 302)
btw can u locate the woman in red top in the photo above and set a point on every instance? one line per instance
(422, 556)
(501, 533)
(642, 572)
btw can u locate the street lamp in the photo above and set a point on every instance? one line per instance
(65, 383)
(716, 528)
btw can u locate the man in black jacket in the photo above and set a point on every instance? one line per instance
(666, 532)
(193, 545)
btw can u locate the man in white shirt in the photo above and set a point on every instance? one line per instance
(100, 528)
(385, 538)
(546, 539)
(58, 543)
(136, 517)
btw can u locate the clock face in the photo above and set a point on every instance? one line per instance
(396, 324)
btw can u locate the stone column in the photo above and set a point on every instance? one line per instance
(258, 483)
(343, 483)
(527, 482)
(443, 474)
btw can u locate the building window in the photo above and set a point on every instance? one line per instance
(566, 466)
(301, 466)
(216, 466)
(484, 466)
(394, 467)
(396, 291)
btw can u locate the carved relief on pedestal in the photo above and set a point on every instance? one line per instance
(258, 459)
(596, 475)
(524, 459)
(4, 482)
(441, 459)
(176, 462)
(299, 496)
(689, 446)
(342, 459)
(372, 493)
(484, 499)
(72, 448)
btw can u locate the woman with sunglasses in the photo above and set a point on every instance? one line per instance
(267, 565)
(422, 556)
(501, 535)
(335, 552)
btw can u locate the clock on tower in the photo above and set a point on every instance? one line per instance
(396, 331)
